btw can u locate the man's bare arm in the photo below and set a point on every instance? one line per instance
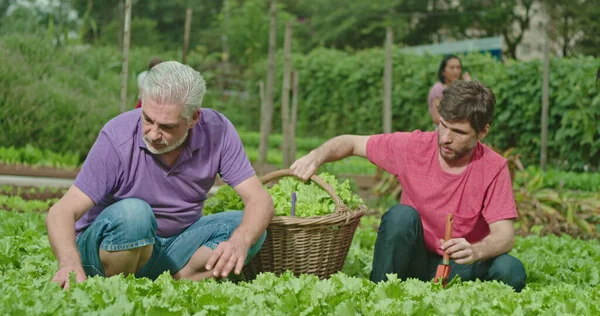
(334, 149)
(231, 254)
(258, 212)
(500, 240)
(60, 223)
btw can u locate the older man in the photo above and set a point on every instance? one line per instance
(136, 206)
(447, 171)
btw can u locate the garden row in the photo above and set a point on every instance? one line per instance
(569, 283)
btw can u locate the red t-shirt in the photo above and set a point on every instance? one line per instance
(480, 195)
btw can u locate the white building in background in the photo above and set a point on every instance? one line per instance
(532, 45)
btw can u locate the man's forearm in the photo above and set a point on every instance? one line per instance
(61, 233)
(258, 214)
(334, 149)
(493, 246)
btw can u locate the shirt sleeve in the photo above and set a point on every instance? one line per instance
(499, 202)
(235, 166)
(100, 172)
(387, 151)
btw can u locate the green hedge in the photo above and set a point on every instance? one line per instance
(59, 99)
(342, 93)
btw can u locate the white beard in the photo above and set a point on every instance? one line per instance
(166, 149)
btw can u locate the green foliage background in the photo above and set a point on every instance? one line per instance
(342, 93)
(59, 98)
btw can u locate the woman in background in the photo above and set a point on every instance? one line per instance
(450, 70)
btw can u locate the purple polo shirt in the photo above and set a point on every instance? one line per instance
(119, 166)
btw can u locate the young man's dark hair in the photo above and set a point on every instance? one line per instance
(468, 101)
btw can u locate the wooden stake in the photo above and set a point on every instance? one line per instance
(545, 103)
(266, 113)
(125, 71)
(186, 34)
(387, 82)
(295, 90)
(285, 96)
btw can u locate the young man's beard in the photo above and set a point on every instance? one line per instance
(458, 153)
(168, 147)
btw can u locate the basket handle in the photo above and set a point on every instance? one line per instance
(340, 207)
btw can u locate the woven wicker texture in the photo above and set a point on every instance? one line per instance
(314, 245)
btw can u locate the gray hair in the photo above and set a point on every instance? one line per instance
(171, 82)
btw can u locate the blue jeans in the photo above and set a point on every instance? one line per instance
(130, 223)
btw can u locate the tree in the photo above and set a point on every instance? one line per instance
(574, 27)
(168, 17)
(362, 24)
(508, 18)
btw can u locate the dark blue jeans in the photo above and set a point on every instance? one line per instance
(400, 249)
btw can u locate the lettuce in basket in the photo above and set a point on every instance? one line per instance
(311, 200)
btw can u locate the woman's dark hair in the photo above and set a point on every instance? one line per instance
(443, 66)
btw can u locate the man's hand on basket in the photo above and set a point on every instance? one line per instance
(228, 255)
(305, 167)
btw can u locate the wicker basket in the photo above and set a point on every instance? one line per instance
(314, 245)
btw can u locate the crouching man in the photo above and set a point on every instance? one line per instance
(136, 206)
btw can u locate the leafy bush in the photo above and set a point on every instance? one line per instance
(342, 93)
(557, 179)
(58, 99)
(33, 156)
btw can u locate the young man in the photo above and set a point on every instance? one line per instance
(136, 205)
(441, 172)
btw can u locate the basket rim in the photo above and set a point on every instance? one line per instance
(333, 218)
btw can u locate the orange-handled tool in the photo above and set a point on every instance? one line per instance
(443, 270)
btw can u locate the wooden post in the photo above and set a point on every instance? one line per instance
(225, 42)
(125, 72)
(186, 34)
(387, 82)
(266, 113)
(285, 96)
(545, 103)
(261, 92)
(295, 90)
(121, 9)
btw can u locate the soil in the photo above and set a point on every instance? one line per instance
(37, 171)
(33, 193)
(364, 183)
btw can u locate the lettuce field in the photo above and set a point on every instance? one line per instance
(563, 279)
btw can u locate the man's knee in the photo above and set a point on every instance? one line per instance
(128, 224)
(399, 219)
(133, 214)
(509, 270)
